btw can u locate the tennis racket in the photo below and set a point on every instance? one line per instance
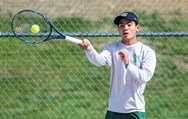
(22, 24)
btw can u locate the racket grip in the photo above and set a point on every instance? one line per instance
(73, 40)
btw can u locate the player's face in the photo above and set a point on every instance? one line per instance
(127, 30)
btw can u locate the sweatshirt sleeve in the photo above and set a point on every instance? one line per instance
(98, 59)
(145, 72)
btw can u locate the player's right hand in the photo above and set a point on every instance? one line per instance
(86, 45)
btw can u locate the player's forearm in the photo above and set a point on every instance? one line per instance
(142, 75)
(94, 57)
(145, 72)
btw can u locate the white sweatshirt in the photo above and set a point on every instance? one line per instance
(127, 85)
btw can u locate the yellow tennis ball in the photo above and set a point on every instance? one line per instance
(35, 29)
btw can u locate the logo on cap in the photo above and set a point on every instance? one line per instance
(124, 14)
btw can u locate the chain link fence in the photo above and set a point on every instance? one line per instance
(55, 80)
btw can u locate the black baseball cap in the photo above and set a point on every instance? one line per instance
(128, 15)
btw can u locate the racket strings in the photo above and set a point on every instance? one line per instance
(23, 22)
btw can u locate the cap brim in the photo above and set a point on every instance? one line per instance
(117, 19)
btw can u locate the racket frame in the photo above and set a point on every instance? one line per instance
(66, 37)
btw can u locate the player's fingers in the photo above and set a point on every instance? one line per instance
(123, 52)
(85, 44)
(123, 55)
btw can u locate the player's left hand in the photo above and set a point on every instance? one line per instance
(124, 56)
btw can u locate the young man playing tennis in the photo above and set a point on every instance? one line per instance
(132, 66)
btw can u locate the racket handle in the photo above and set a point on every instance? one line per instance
(73, 40)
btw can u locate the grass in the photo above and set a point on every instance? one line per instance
(56, 80)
